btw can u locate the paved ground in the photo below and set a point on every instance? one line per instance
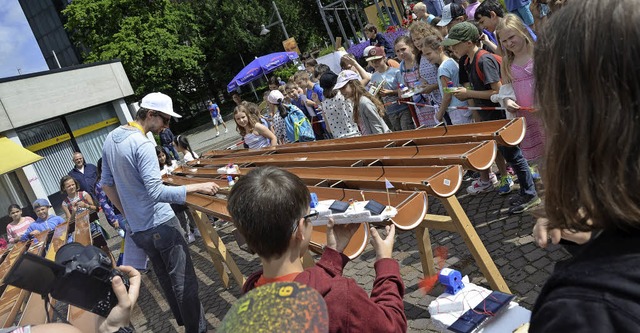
(508, 239)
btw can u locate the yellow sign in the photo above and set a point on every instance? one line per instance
(290, 45)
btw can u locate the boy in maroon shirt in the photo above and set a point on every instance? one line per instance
(270, 208)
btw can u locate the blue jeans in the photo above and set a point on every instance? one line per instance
(171, 150)
(513, 156)
(172, 264)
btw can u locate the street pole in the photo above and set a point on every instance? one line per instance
(286, 36)
(326, 24)
(251, 83)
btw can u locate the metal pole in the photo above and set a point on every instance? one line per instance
(359, 20)
(380, 15)
(286, 35)
(250, 83)
(386, 6)
(56, 58)
(344, 34)
(326, 24)
(353, 29)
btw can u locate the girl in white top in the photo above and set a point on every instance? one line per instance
(182, 144)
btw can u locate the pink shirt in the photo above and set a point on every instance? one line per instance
(15, 231)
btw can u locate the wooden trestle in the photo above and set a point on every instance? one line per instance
(417, 163)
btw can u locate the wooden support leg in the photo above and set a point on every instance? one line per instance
(426, 253)
(307, 260)
(475, 245)
(217, 250)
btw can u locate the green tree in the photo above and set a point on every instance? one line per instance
(157, 41)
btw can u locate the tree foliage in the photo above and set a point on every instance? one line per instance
(187, 49)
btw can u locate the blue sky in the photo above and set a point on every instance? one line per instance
(18, 47)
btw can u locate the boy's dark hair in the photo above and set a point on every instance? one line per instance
(320, 69)
(310, 62)
(265, 205)
(488, 6)
(370, 27)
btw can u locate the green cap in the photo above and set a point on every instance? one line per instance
(461, 32)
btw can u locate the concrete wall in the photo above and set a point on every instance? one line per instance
(48, 95)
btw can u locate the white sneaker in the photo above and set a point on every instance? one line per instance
(191, 238)
(226, 130)
(493, 178)
(197, 233)
(479, 186)
(218, 134)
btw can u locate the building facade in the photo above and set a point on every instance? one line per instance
(53, 114)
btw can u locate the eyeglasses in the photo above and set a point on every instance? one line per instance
(313, 215)
(164, 120)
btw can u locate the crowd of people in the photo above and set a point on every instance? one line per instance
(486, 58)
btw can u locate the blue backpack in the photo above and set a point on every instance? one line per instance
(298, 126)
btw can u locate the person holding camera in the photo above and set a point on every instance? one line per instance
(119, 318)
(131, 180)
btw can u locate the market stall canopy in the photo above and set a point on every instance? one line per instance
(260, 66)
(15, 156)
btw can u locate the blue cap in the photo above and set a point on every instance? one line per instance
(41, 202)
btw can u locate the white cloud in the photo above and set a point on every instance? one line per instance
(18, 47)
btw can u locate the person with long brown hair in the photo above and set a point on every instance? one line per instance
(592, 169)
(367, 109)
(254, 133)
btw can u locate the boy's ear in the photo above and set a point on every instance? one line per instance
(299, 234)
(492, 14)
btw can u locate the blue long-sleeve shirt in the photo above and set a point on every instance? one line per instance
(50, 223)
(129, 163)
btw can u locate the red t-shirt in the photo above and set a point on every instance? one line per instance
(285, 278)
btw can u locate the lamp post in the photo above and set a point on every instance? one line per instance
(265, 29)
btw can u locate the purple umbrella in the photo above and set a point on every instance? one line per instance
(260, 66)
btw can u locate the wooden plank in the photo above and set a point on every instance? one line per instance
(505, 132)
(203, 224)
(426, 253)
(212, 239)
(474, 244)
(474, 155)
(438, 180)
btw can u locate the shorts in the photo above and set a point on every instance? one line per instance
(217, 120)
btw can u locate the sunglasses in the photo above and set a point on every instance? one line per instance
(164, 120)
(313, 215)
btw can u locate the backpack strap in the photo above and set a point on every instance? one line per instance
(479, 54)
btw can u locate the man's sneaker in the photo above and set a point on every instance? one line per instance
(217, 133)
(226, 130)
(519, 204)
(479, 186)
(191, 238)
(506, 183)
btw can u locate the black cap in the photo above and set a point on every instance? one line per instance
(328, 80)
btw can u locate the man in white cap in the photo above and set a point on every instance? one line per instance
(131, 180)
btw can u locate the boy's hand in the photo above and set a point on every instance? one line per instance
(383, 247)
(462, 94)
(338, 236)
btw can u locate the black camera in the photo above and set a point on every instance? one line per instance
(80, 276)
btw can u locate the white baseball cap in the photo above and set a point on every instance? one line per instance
(446, 16)
(275, 97)
(159, 102)
(367, 49)
(344, 77)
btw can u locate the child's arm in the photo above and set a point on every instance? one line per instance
(446, 99)
(265, 132)
(464, 94)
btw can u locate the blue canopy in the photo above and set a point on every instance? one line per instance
(259, 67)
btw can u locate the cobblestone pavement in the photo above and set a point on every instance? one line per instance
(524, 266)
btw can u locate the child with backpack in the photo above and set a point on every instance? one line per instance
(297, 127)
(448, 71)
(483, 71)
